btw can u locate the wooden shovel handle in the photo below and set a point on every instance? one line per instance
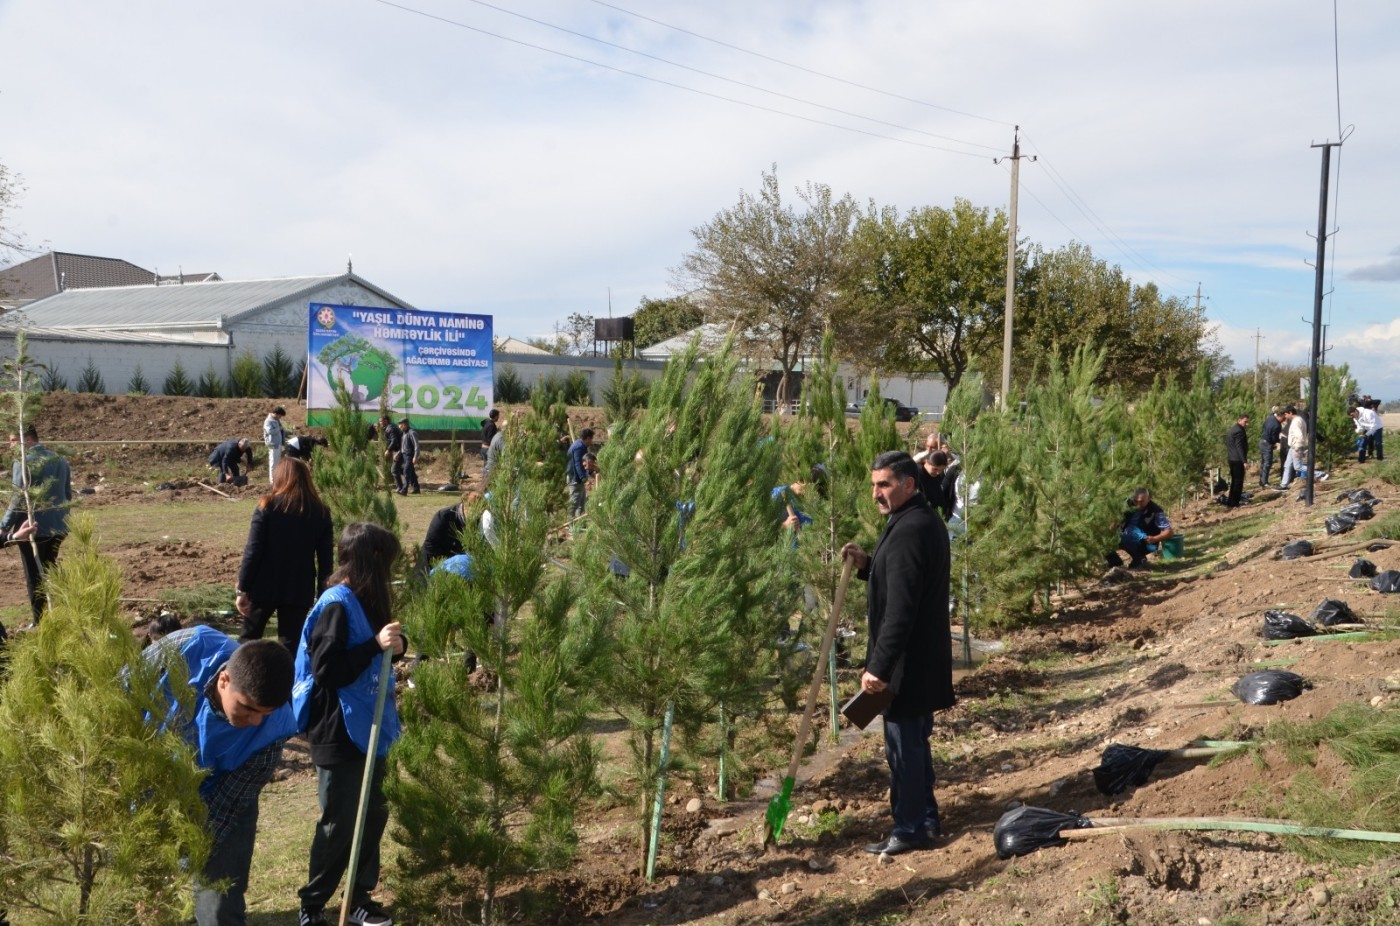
(815, 688)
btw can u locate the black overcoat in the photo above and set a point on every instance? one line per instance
(907, 609)
(288, 557)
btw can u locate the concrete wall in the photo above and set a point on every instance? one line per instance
(531, 368)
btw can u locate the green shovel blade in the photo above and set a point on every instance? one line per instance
(779, 807)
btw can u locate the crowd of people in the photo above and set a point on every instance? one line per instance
(331, 598)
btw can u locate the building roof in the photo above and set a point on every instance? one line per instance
(199, 305)
(58, 270)
(711, 336)
(517, 346)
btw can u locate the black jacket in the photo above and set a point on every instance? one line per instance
(1273, 430)
(225, 456)
(1236, 444)
(288, 557)
(907, 609)
(444, 537)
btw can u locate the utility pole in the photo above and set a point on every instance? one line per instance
(1317, 321)
(1257, 338)
(1010, 266)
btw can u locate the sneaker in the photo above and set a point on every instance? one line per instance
(369, 913)
(312, 916)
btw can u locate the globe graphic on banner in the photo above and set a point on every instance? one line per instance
(364, 374)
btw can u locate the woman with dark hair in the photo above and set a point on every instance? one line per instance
(337, 683)
(287, 560)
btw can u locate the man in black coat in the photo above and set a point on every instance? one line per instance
(1268, 443)
(1236, 452)
(910, 651)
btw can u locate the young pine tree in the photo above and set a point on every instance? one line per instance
(347, 471)
(683, 508)
(491, 781)
(1052, 486)
(177, 381)
(100, 815)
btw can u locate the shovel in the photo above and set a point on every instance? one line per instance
(781, 804)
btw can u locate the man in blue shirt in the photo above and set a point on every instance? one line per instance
(1268, 441)
(577, 473)
(240, 718)
(1145, 526)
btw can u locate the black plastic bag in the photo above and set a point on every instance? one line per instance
(1359, 511)
(1332, 612)
(1270, 687)
(1362, 569)
(1360, 495)
(1377, 547)
(1297, 548)
(1339, 523)
(1280, 625)
(1026, 829)
(1124, 766)
(1387, 582)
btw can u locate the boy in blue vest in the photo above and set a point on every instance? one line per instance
(240, 719)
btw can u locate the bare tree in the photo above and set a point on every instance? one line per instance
(773, 273)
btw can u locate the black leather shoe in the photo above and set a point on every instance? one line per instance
(897, 845)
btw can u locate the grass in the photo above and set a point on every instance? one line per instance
(1367, 741)
(1382, 527)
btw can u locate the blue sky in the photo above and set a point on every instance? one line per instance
(468, 172)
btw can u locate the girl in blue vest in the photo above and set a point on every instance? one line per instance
(337, 680)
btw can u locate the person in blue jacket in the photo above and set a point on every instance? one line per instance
(240, 718)
(337, 682)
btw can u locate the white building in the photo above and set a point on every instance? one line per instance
(202, 326)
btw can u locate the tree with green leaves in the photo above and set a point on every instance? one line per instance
(1052, 482)
(929, 288)
(245, 382)
(100, 815)
(210, 385)
(279, 379)
(348, 470)
(489, 776)
(676, 559)
(1071, 298)
(90, 380)
(655, 320)
(177, 381)
(772, 273)
(624, 395)
(138, 384)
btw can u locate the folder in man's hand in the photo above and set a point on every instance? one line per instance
(866, 706)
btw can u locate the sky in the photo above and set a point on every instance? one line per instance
(529, 159)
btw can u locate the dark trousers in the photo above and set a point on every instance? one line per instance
(291, 616)
(912, 804)
(232, 858)
(1373, 445)
(1266, 462)
(33, 578)
(405, 474)
(338, 788)
(1236, 484)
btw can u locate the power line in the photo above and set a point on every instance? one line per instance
(798, 67)
(1113, 238)
(721, 77)
(666, 83)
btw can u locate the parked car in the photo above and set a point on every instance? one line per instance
(902, 412)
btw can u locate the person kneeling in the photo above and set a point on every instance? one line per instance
(1144, 527)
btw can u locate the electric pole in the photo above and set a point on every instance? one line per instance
(1257, 338)
(1010, 266)
(1317, 321)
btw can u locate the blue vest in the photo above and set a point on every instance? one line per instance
(221, 746)
(357, 698)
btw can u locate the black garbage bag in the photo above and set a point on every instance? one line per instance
(1026, 829)
(1360, 495)
(1280, 625)
(1377, 547)
(1359, 511)
(1124, 766)
(1297, 548)
(1362, 569)
(1332, 612)
(1339, 523)
(1270, 687)
(1387, 582)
